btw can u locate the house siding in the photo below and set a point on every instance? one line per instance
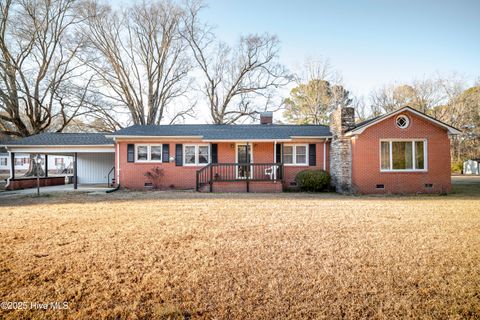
(366, 172)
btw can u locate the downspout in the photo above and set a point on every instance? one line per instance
(275, 160)
(325, 155)
(11, 156)
(117, 157)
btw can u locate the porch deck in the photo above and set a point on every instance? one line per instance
(246, 173)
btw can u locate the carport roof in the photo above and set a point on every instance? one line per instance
(63, 139)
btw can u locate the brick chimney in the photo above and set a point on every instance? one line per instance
(341, 120)
(266, 117)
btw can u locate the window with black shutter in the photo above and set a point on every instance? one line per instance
(179, 155)
(166, 152)
(312, 154)
(130, 153)
(214, 153)
(278, 156)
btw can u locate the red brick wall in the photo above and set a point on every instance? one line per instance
(291, 171)
(183, 177)
(366, 158)
(132, 173)
(254, 186)
(17, 184)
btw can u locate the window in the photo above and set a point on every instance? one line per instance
(21, 161)
(195, 155)
(405, 155)
(156, 153)
(58, 161)
(146, 153)
(3, 161)
(295, 154)
(402, 121)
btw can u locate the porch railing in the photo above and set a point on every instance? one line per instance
(231, 172)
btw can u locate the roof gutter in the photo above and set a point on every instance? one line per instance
(124, 137)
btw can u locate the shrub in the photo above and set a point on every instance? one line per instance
(155, 176)
(457, 167)
(313, 180)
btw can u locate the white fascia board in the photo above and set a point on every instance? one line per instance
(451, 130)
(62, 149)
(311, 137)
(122, 137)
(246, 140)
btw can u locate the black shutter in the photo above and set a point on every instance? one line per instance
(179, 155)
(166, 152)
(312, 154)
(278, 158)
(130, 153)
(214, 153)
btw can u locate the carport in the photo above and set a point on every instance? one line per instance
(93, 158)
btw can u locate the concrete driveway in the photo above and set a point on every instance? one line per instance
(466, 179)
(95, 188)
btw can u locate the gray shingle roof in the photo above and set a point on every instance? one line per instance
(63, 139)
(227, 132)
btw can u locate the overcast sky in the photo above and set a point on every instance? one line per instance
(370, 42)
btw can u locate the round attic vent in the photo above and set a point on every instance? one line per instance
(402, 121)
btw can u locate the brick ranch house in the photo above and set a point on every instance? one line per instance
(405, 151)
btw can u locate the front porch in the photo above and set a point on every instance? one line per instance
(238, 177)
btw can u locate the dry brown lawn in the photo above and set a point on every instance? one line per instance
(290, 256)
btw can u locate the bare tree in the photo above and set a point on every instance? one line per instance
(318, 92)
(39, 72)
(239, 80)
(317, 69)
(141, 60)
(38, 47)
(424, 95)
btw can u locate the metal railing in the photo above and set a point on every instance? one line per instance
(109, 183)
(230, 172)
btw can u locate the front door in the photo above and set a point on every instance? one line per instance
(243, 156)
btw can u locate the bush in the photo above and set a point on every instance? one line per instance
(457, 167)
(155, 176)
(313, 180)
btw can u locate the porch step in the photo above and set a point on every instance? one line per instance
(204, 187)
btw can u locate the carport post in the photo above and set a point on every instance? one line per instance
(75, 184)
(12, 165)
(46, 166)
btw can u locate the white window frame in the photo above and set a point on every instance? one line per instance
(294, 154)
(407, 121)
(149, 152)
(425, 155)
(197, 154)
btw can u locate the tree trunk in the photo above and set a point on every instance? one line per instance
(35, 169)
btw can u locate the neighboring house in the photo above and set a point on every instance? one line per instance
(471, 166)
(56, 164)
(403, 152)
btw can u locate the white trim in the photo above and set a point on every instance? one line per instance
(451, 130)
(117, 156)
(61, 149)
(414, 151)
(122, 137)
(196, 145)
(294, 155)
(149, 153)
(243, 140)
(406, 118)
(325, 155)
(310, 137)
